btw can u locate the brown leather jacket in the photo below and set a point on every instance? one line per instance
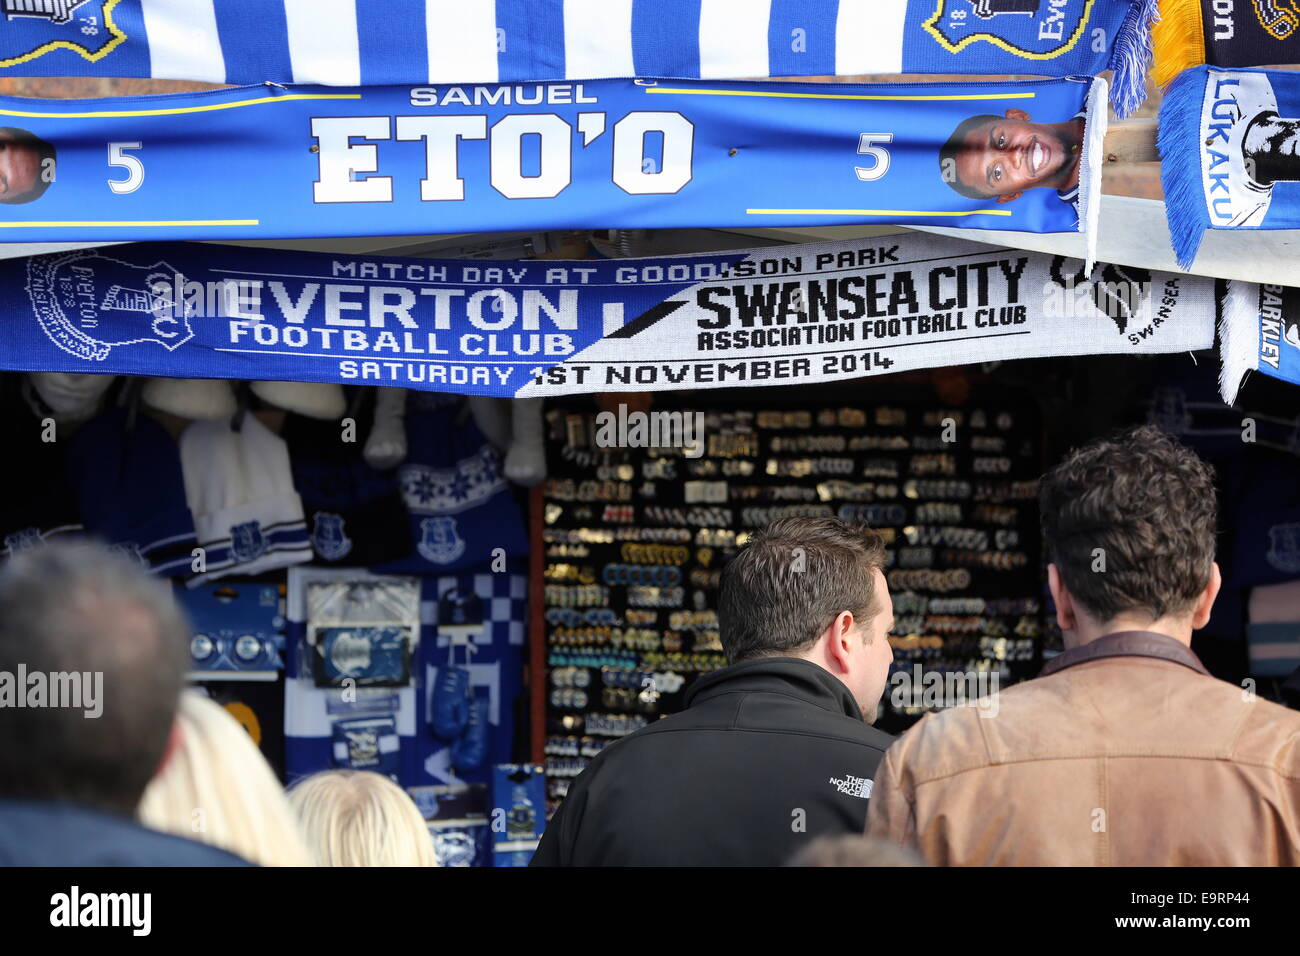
(1124, 752)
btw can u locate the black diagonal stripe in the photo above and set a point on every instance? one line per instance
(646, 319)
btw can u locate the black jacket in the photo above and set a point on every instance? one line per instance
(769, 754)
(54, 834)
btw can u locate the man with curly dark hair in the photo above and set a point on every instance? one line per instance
(1124, 751)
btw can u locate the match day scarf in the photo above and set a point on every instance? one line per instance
(777, 315)
(275, 162)
(1230, 153)
(1225, 33)
(379, 42)
(1259, 331)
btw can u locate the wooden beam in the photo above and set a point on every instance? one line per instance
(1131, 141)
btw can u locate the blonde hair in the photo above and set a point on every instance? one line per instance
(217, 788)
(359, 818)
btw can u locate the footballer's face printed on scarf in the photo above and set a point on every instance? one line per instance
(999, 157)
(26, 165)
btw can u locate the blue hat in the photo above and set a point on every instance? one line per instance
(131, 490)
(461, 507)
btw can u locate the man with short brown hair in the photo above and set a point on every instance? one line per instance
(93, 652)
(771, 751)
(1125, 751)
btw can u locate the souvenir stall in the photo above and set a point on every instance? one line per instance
(443, 369)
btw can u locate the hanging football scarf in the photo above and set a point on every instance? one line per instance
(802, 313)
(1235, 33)
(372, 43)
(1259, 330)
(261, 162)
(1230, 153)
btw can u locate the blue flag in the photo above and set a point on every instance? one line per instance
(378, 42)
(268, 162)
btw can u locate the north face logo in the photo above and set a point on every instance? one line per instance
(853, 786)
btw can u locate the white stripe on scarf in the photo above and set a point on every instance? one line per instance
(733, 38)
(598, 38)
(869, 37)
(323, 45)
(461, 36)
(183, 41)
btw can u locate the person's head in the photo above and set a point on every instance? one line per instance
(1129, 524)
(812, 588)
(26, 165)
(854, 850)
(217, 788)
(93, 623)
(998, 157)
(359, 818)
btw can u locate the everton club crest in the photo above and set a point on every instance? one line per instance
(82, 304)
(1284, 547)
(247, 541)
(328, 537)
(440, 541)
(34, 28)
(1033, 29)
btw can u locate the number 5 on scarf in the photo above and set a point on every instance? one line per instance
(868, 146)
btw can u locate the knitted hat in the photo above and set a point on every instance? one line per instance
(131, 491)
(321, 400)
(247, 516)
(461, 507)
(355, 514)
(71, 397)
(198, 399)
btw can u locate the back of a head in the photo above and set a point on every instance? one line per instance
(359, 818)
(1129, 522)
(788, 582)
(217, 788)
(83, 622)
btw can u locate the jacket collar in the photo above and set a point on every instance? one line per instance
(1127, 644)
(792, 676)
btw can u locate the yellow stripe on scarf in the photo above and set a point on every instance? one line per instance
(1179, 39)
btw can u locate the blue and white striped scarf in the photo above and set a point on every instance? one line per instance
(372, 42)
